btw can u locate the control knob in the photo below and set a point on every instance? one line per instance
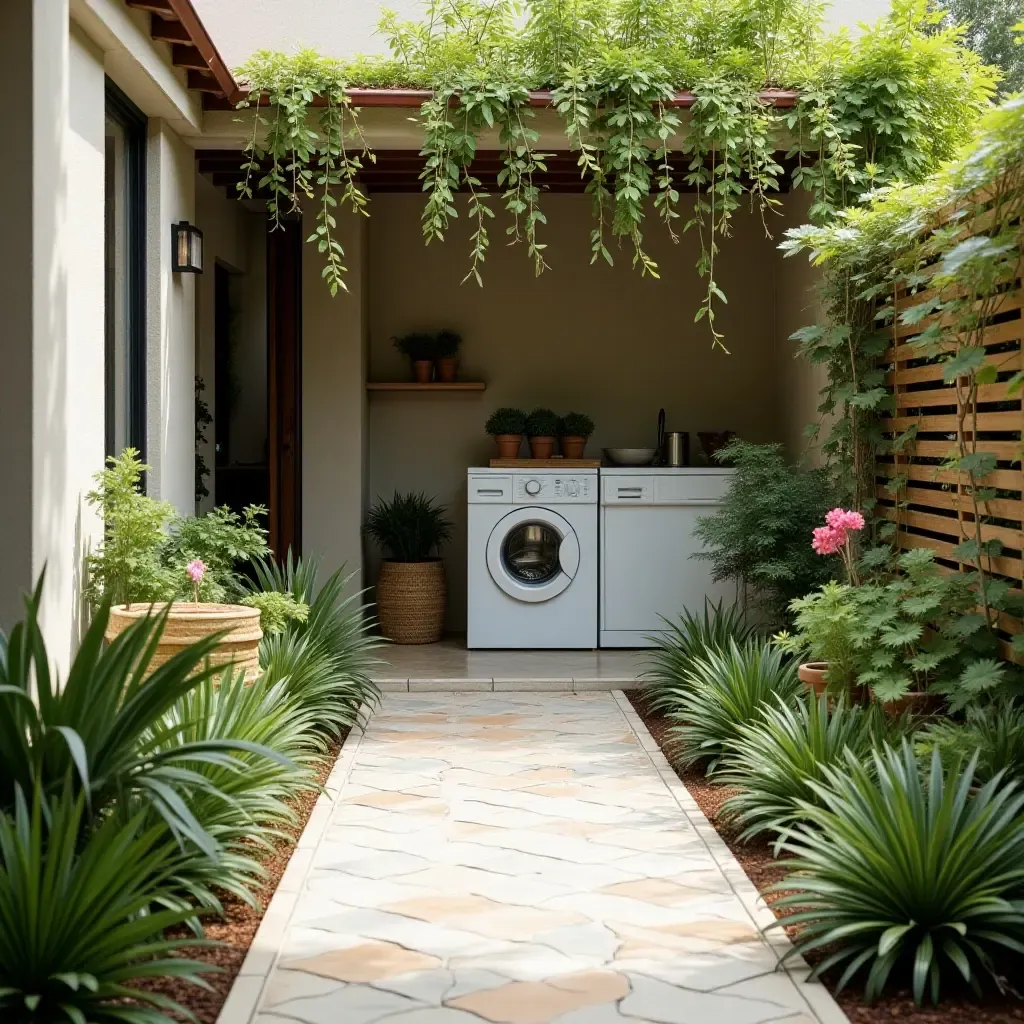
(533, 488)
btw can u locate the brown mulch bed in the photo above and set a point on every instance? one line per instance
(235, 931)
(764, 870)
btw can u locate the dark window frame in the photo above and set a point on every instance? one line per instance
(133, 122)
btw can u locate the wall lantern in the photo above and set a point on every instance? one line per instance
(187, 248)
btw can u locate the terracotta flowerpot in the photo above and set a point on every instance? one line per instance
(812, 675)
(188, 622)
(542, 447)
(410, 601)
(573, 447)
(446, 368)
(423, 370)
(508, 445)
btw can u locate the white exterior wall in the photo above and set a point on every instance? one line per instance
(170, 310)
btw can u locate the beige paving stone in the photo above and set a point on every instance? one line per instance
(369, 961)
(485, 916)
(539, 1002)
(663, 891)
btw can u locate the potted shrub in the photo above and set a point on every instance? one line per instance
(506, 426)
(825, 622)
(150, 556)
(573, 432)
(542, 426)
(410, 530)
(418, 347)
(446, 355)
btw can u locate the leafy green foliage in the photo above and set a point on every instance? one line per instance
(761, 536)
(417, 346)
(825, 622)
(994, 733)
(775, 758)
(76, 934)
(276, 610)
(575, 424)
(410, 527)
(721, 691)
(506, 421)
(990, 33)
(906, 873)
(885, 106)
(102, 730)
(146, 545)
(684, 641)
(447, 344)
(542, 423)
(203, 420)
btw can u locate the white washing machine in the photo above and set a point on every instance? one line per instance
(532, 558)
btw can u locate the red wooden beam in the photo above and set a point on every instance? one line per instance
(201, 41)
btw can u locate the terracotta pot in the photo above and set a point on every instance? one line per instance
(410, 601)
(423, 370)
(188, 622)
(508, 445)
(446, 368)
(812, 675)
(573, 447)
(542, 447)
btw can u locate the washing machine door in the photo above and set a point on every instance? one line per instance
(533, 554)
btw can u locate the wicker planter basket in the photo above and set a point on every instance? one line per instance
(188, 622)
(410, 601)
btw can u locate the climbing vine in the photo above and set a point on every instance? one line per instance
(887, 106)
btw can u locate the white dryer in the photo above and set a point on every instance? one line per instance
(532, 558)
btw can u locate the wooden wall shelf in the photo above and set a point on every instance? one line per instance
(408, 385)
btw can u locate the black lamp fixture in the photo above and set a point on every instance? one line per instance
(187, 248)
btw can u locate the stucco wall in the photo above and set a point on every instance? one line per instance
(345, 27)
(170, 298)
(334, 421)
(595, 339)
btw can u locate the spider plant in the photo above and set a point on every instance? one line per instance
(776, 757)
(409, 527)
(77, 924)
(902, 869)
(686, 639)
(723, 690)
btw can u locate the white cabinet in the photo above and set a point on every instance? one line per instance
(647, 542)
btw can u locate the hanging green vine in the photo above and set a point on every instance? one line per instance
(888, 106)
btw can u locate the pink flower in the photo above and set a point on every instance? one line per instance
(828, 540)
(841, 519)
(196, 570)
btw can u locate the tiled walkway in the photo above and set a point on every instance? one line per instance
(522, 858)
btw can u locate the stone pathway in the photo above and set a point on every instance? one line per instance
(521, 858)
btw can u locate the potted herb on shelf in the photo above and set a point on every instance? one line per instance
(150, 558)
(573, 433)
(506, 426)
(446, 355)
(542, 426)
(410, 530)
(418, 347)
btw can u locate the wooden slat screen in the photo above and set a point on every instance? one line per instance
(932, 507)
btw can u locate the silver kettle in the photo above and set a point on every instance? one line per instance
(673, 445)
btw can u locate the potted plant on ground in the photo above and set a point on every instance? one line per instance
(506, 426)
(418, 347)
(151, 557)
(410, 530)
(573, 432)
(446, 355)
(542, 426)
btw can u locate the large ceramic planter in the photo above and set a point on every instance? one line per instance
(812, 674)
(188, 622)
(410, 601)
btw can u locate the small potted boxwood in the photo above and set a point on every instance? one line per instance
(574, 431)
(446, 355)
(419, 348)
(542, 426)
(506, 426)
(410, 530)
